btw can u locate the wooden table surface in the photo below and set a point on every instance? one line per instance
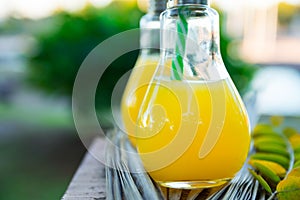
(89, 181)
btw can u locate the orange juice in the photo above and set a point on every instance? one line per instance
(138, 81)
(192, 134)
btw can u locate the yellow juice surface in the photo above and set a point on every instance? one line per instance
(134, 93)
(192, 131)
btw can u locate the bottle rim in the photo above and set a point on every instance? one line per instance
(173, 3)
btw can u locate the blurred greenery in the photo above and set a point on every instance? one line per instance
(62, 51)
(63, 48)
(286, 12)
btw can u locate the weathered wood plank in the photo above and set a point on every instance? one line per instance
(89, 181)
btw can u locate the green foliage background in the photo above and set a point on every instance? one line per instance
(62, 50)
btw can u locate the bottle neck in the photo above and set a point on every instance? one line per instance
(150, 33)
(190, 37)
(150, 27)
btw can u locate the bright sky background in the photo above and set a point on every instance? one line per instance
(229, 4)
(42, 8)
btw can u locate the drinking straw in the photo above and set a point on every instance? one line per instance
(182, 30)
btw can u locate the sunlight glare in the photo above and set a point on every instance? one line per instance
(100, 3)
(44, 8)
(32, 8)
(233, 4)
(5, 9)
(71, 5)
(143, 5)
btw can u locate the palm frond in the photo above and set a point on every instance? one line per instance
(242, 186)
(125, 175)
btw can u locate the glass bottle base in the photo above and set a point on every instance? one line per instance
(193, 184)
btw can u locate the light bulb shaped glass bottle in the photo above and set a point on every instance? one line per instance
(193, 129)
(144, 68)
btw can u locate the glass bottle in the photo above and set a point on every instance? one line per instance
(144, 67)
(193, 129)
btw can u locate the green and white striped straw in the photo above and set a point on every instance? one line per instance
(182, 31)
